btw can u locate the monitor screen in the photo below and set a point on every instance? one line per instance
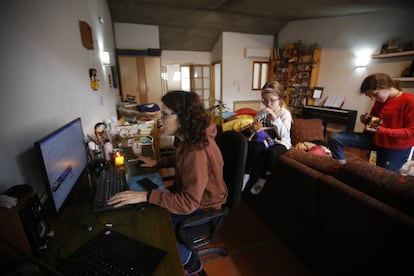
(63, 157)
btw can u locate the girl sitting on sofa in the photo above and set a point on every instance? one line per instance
(277, 119)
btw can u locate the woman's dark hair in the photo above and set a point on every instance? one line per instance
(378, 81)
(192, 116)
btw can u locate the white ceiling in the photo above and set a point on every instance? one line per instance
(195, 25)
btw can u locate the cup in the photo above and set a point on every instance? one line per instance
(137, 149)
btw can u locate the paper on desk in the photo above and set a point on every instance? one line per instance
(155, 177)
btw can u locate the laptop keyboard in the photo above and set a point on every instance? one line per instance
(112, 253)
(110, 182)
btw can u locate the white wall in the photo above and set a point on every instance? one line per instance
(340, 39)
(236, 69)
(130, 36)
(45, 78)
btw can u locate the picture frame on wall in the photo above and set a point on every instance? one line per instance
(317, 92)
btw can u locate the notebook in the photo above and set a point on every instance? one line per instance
(113, 253)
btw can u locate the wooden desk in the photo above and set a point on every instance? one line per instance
(151, 226)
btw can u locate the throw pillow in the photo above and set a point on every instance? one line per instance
(304, 130)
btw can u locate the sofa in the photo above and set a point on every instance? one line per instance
(350, 219)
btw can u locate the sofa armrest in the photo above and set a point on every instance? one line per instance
(385, 185)
(325, 164)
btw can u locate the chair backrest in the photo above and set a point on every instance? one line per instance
(306, 130)
(233, 147)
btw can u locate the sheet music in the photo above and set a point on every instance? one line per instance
(334, 101)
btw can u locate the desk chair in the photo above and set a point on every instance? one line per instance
(200, 230)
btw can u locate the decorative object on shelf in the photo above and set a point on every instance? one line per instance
(101, 133)
(408, 71)
(395, 46)
(94, 81)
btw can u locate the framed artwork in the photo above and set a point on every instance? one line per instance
(317, 92)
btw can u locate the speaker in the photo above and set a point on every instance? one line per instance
(24, 228)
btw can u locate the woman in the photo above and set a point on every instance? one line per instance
(393, 136)
(198, 163)
(277, 121)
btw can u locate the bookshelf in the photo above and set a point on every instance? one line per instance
(296, 67)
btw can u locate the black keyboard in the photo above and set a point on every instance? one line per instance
(112, 253)
(110, 182)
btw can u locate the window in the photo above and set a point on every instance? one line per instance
(260, 72)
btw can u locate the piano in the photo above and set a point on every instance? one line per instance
(344, 117)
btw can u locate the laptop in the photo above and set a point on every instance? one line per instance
(112, 253)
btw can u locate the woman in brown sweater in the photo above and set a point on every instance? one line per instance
(198, 164)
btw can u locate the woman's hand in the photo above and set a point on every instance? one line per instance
(127, 197)
(364, 118)
(271, 114)
(146, 162)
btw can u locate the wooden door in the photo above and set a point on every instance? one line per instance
(140, 76)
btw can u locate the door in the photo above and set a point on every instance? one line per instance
(140, 76)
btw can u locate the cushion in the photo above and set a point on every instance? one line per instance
(321, 163)
(246, 110)
(238, 122)
(306, 130)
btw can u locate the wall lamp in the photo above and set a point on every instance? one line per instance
(362, 59)
(105, 58)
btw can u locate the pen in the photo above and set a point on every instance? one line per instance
(132, 160)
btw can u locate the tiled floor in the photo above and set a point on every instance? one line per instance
(254, 249)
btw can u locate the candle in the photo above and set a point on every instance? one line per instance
(118, 157)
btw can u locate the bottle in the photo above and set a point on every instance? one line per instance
(108, 150)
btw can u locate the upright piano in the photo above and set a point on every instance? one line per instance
(337, 116)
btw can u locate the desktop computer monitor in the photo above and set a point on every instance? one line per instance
(63, 159)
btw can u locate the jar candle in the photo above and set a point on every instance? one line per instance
(118, 157)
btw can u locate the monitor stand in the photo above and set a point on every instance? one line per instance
(84, 190)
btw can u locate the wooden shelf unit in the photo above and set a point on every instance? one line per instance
(296, 67)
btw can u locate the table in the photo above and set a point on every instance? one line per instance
(151, 225)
